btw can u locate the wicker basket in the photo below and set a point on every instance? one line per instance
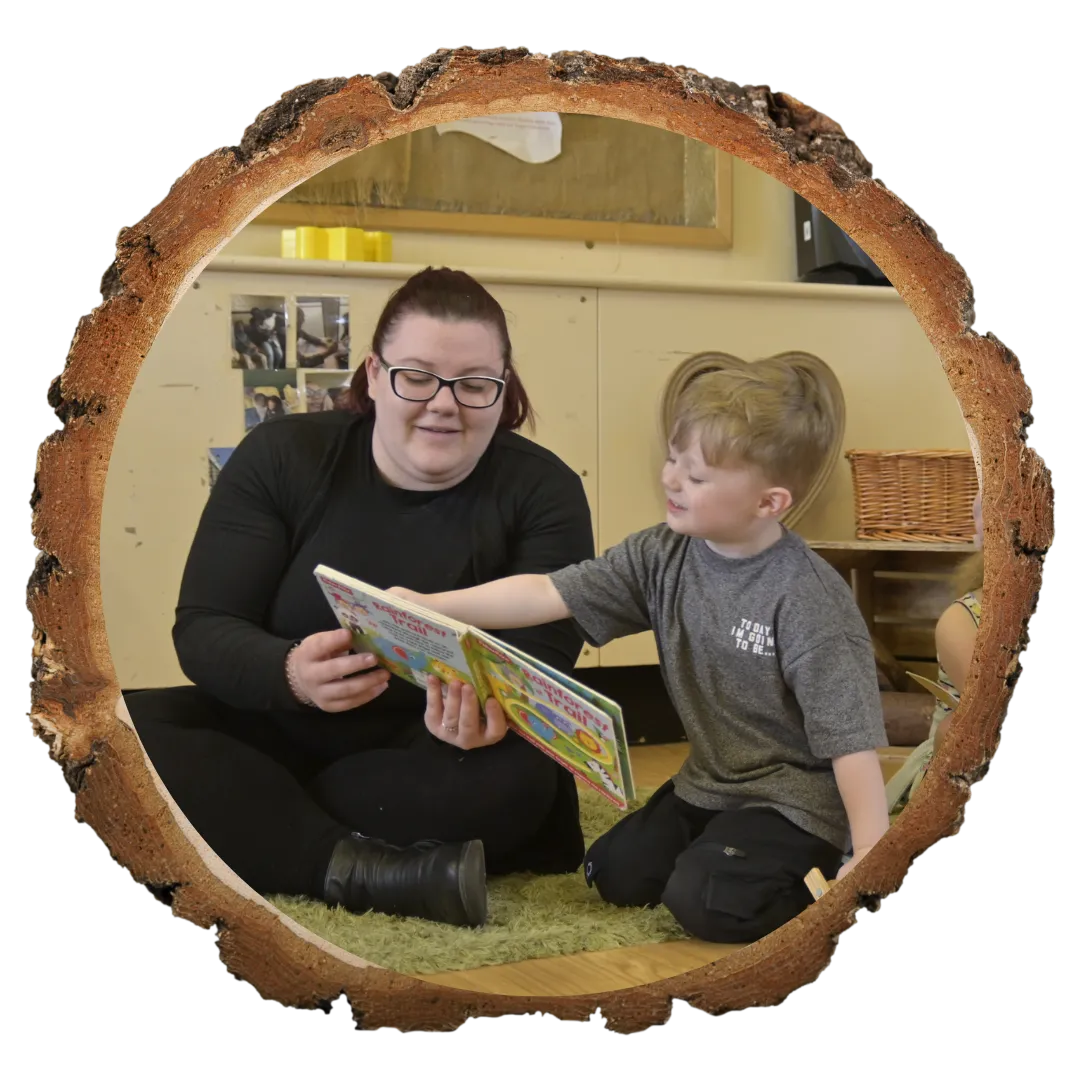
(914, 495)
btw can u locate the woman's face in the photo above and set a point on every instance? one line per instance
(426, 445)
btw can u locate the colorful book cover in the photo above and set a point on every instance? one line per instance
(579, 728)
(575, 721)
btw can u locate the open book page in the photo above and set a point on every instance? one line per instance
(610, 710)
(580, 728)
(409, 641)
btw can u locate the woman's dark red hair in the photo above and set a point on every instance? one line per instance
(454, 296)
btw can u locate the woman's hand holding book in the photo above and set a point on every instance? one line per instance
(324, 673)
(456, 718)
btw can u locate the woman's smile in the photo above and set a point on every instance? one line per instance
(438, 430)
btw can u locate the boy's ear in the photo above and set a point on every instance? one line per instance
(775, 501)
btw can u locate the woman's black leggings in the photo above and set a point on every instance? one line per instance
(273, 806)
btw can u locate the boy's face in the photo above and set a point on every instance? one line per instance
(726, 504)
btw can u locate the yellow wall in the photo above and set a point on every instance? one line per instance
(611, 344)
(763, 245)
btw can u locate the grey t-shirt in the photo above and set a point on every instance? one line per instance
(767, 660)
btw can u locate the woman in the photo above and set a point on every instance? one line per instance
(303, 766)
(954, 638)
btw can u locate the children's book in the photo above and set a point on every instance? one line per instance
(579, 728)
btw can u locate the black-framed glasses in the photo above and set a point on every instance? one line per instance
(471, 391)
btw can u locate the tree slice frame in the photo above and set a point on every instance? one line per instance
(75, 694)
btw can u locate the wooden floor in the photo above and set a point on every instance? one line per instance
(613, 969)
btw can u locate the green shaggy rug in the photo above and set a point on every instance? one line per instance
(529, 916)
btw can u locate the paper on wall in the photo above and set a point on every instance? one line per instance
(534, 137)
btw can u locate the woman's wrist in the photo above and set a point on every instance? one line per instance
(291, 678)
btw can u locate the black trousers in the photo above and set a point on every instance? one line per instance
(728, 876)
(272, 795)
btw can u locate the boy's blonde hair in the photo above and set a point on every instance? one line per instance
(784, 414)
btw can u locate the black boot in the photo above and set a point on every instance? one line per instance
(445, 882)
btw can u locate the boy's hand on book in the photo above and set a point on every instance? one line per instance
(323, 669)
(457, 719)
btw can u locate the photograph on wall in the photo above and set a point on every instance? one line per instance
(257, 329)
(322, 332)
(269, 394)
(217, 457)
(325, 391)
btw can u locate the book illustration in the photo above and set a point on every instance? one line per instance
(406, 645)
(413, 666)
(417, 661)
(603, 775)
(554, 735)
(605, 706)
(353, 613)
(504, 665)
(443, 671)
(566, 720)
(579, 728)
(550, 723)
(605, 717)
(559, 738)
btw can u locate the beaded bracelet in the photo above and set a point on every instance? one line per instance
(290, 678)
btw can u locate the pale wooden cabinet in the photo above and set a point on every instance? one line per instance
(896, 393)
(594, 355)
(553, 332)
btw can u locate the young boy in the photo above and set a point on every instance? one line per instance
(762, 650)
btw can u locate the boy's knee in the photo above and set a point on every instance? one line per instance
(617, 876)
(729, 903)
(623, 888)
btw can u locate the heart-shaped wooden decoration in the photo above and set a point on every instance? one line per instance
(701, 363)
